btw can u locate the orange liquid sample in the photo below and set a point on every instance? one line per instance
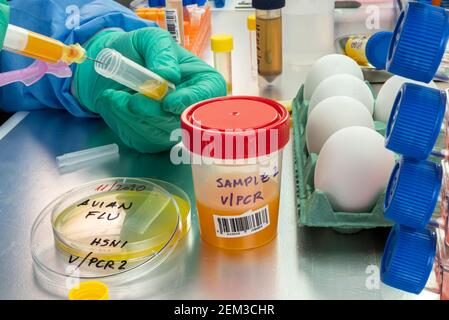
(44, 49)
(206, 212)
(269, 46)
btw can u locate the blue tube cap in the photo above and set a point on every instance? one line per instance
(377, 49)
(419, 42)
(415, 121)
(412, 193)
(408, 258)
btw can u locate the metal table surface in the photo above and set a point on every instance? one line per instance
(301, 263)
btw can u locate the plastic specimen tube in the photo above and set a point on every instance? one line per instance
(36, 46)
(112, 64)
(419, 49)
(74, 158)
(174, 16)
(416, 127)
(269, 37)
(222, 46)
(251, 24)
(367, 49)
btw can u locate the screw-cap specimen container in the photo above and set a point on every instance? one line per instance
(269, 37)
(419, 46)
(416, 121)
(236, 148)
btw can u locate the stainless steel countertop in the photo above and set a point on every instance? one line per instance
(301, 263)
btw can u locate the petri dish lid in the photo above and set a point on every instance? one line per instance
(114, 230)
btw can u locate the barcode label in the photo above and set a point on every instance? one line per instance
(243, 225)
(171, 18)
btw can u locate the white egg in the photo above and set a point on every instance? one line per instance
(353, 169)
(327, 66)
(387, 95)
(333, 114)
(343, 85)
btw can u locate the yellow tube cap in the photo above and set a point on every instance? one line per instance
(251, 22)
(222, 43)
(91, 290)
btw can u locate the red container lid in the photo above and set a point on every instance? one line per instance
(236, 127)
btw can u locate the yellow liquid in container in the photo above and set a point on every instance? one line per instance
(269, 46)
(154, 89)
(207, 213)
(52, 51)
(121, 225)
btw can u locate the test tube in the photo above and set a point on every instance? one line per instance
(367, 49)
(419, 241)
(40, 47)
(415, 260)
(174, 15)
(419, 49)
(78, 157)
(112, 64)
(222, 46)
(195, 18)
(251, 24)
(269, 37)
(417, 127)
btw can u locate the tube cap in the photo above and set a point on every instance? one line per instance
(377, 49)
(238, 127)
(412, 192)
(415, 121)
(251, 22)
(91, 290)
(268, 4)
(222, 43)
(419, 42)
(408, 258)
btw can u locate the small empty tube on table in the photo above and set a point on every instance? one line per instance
(78, 157)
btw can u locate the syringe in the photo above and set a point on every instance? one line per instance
(37, 46)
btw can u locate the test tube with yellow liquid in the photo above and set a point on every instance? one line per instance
(113, 65)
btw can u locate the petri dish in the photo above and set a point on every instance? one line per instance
(114, 230)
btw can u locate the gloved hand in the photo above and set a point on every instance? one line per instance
(142, 123)
(4, 20)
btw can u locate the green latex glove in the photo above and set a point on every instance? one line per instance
(4, 20)
(142, 123)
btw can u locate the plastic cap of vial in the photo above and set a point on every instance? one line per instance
(419, 42)
(415, 121)
(227, 117)
(222, 43)
(251, 22)
(91, 290)
(412, 192)
(377, 49)
(408, 258)
(268, 4)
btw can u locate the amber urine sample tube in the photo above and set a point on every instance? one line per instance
(269, 37)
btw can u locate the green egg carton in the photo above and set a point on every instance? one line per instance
(314, 208)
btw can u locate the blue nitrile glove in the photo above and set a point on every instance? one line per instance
(142, 123)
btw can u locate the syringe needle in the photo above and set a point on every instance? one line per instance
(96, 61)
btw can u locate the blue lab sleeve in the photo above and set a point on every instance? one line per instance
(70, 21)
